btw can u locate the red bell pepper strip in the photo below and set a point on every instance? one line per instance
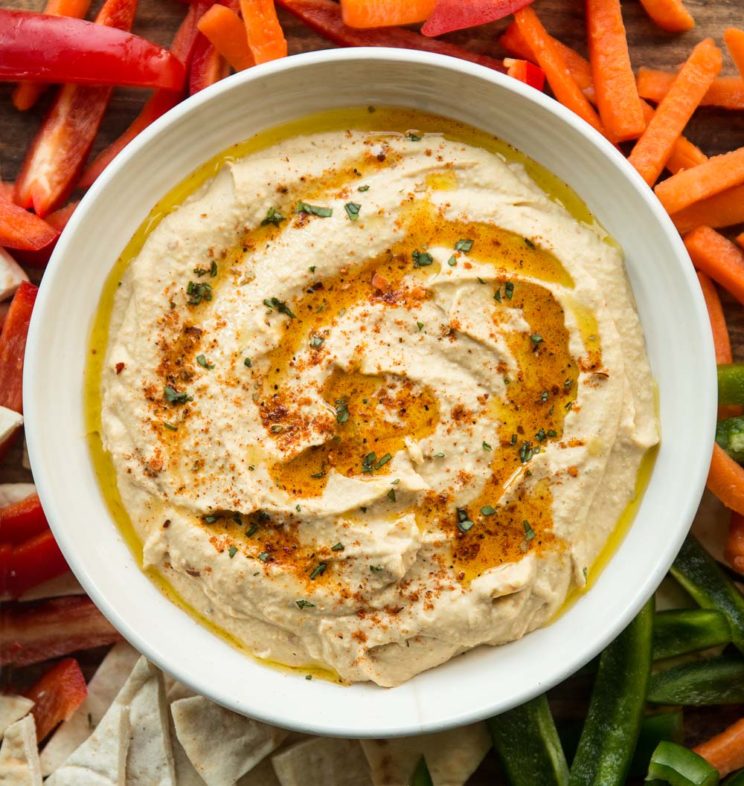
(449, 15)
(33, 562)
(22, 230)
(324, 16)
(22, 520)
(207, 65)
(60, 217)
(526, 72)
(56, 696)
(63, 142)
(13, 346)
(80, 52)
(33, 632)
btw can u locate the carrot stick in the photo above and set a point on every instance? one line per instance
(614, 84)
(726, 92)
(685, 155)
(26, 94)
(705, 180)
(265, 36)
(653, 149)
(551, 60)
(385, 13)
(726, 480)
(670, 15)
(725, 751)
(721, 340)
(226, 32)
(740, 239)
(718, 258)
(734, 39)
(722, 210)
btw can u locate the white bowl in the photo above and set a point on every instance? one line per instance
(485, 681)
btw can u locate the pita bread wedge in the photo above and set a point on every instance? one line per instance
(150, 757)
(186, 775)
(19, 756)
(452, 756)
(332, 762)
(12, 709)
(101, 760)
(102, 690)
(261, 775)
(222, 745)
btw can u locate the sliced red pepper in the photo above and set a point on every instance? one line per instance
(63, 142)
(13, 346)
(22, 230)
(452, 15)
(60, 217)
(6, 549)
(56, 696)
(324, 16)
(22, 520)
(207, 65)
(33, 562)
(33, 632)
(526, 72)
(81, 52)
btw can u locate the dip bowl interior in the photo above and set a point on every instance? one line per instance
(484, 681)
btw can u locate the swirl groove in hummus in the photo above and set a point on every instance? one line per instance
(374, 399)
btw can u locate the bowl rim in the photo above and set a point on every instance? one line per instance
(35, 433)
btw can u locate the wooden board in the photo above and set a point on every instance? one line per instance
(714, 130)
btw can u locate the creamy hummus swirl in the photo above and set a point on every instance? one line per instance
(374, 399)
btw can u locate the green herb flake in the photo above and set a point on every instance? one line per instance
(247, 362)
(513, 439)
(318, 475)
(439, 455)
(422, 258)
(383, 460)
(337, 547)
(273, 217)
(342, 410)
(304, 604)
(376, 568)
(529, 533)
(170, 426)
(497, 296)
(202, 361)
(213, 270)
(264, 556)
(464, 245)
(529, 243)
(544, 396)
(452, 261)
(274, 303)
(315, 210)
(318, 570)
(509, 290)
(368, 463)
(352, 210)
(363, 188)
(198, 292)
(552, 433)
(541, 435)
(312, 268)
(210, 518)
(420, 326)
(487, 510)
(252, 531)
(464, 523)
(536, 340)
(232, 551)
(413, 136)
(526, 452)
(316, 341)
(486, 446)
(391, 495)
(173, 396)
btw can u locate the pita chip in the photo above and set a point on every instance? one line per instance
(261, 775)
(332, 762)
(101, 759)
(222, 745)
(19, 756)
(451, 756)
(102, 690)
(12, 709)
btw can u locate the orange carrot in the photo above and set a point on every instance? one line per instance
(551, 60)
(670, 15)
(718, 258)
(614, 83)
(740, 239)
(721, 339)
(265, 35)
(514, 43)
(226, 32)
(734, 39)
(685, 155)
(725, 751)
(702, 181)
(26, 94)
(726, 480)
(726, 92)
(385, 13)
(653, 149)
(722, 210)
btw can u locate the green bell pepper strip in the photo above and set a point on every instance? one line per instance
(710, 587)
(679, 766)
(731, 383)
(679, 631)
(700, 683)
(655, 729)
(421, 776)
(616, 709)
(730, 436)
(527, 743)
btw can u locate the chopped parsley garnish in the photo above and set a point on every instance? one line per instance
(213, 270)
(264, 556)
(315, 210)
(544, 396)
(464, 524)
(363, 188)
(170, 426)
(529, 533)
(376, 568)
(541, 435)
(514, 439)
(439, 455)
(529, 243)
(202, 361)
(486, 446)
(318, 475)
(509, 290)
(232, 551)
(252, 531)
(526, 452)
(552, 432)
(198, 292)
(210, 518)
(422, 258)
(487, 510)
(567, 385)
(414, 137)
(452, 261)
(337, 547)
(304, 604)
(420, 326)
(316, 341)
(342, 410)
(318, 570)
(352, 210)
(536, 340)
(464, 245)
(173, 396)
(247, 362)
(201, 271)
(368, 462)
(273, 216)
(274, 303)
(391, 495)
(497, 295)
(383, 460)
(312, 268)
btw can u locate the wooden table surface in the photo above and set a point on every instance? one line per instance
(715, 131)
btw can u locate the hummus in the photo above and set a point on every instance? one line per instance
(374, 399)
